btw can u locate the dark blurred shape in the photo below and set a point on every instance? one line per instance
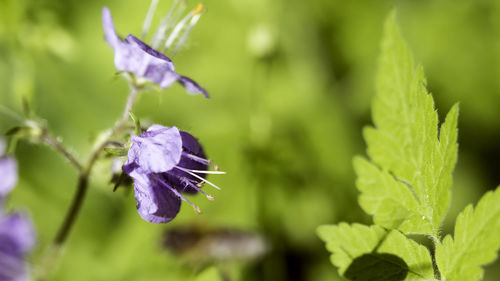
(215, 245)
(375, 267)
(118, 177)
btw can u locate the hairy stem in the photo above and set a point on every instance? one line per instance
(59, 147)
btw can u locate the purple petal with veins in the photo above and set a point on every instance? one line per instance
(192, 87)
(155, 151)
(155, 203)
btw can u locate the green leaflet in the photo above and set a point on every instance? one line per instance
(349, 242)
(391, 202)
(346, 242)
(404, 146)
(475, 242)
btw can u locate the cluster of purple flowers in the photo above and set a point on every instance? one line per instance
(163, 162)
(17, 236)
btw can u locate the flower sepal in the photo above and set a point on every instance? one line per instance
(30, 130)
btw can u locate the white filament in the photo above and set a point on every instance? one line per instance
(185, 35)
(198, 177)
(149, 18)
(167, 23)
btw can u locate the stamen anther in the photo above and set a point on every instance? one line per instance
(198, 9)
(196, 209)
(209, 197)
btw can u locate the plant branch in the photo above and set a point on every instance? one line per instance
(81, 190)
(58, 146)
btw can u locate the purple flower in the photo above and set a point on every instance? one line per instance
(8, 172)
(164, 163)
(143, 61)
(17, 238)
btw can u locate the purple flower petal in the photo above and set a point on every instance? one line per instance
(12, 267)
(192, 87)
(157, 150)
(191, 144)
(17, 238)
(8, 175)
(143, 46)
(109, 29)
(18, 229)
(155, 202)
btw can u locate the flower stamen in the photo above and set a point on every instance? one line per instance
(200, 160)
(206, 172)
(196, 14)
(149, 18)
(209, 197)
(178, 194)
(168, 22)
(177, 30)
(198, 177)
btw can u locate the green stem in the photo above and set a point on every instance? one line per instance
(73, 211)
(59, 147)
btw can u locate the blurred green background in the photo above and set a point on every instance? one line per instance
(291, 84)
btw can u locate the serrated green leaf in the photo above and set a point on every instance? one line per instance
(348, 242)
(404, 143)
(475, 241)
